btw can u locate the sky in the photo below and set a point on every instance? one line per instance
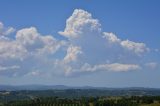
(103, 43)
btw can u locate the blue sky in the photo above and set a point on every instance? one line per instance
(89, 42)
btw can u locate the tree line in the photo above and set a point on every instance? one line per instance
(86, 101)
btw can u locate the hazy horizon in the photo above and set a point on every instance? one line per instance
(79, 87)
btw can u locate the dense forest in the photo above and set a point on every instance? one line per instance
(88, 101)
(80, 97)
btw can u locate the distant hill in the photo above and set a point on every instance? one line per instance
(32, 87)
(43, 87)
(63, 87)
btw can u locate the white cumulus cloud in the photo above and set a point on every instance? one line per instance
(5, 30)
(35, 42)
(72, 53)
(11, 49)
(29, 50)
(135, 47)
(116, 67)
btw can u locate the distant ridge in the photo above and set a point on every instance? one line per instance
(32, 87)
(61, 87)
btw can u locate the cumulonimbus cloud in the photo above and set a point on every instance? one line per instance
(78, 23)
(87, 49)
